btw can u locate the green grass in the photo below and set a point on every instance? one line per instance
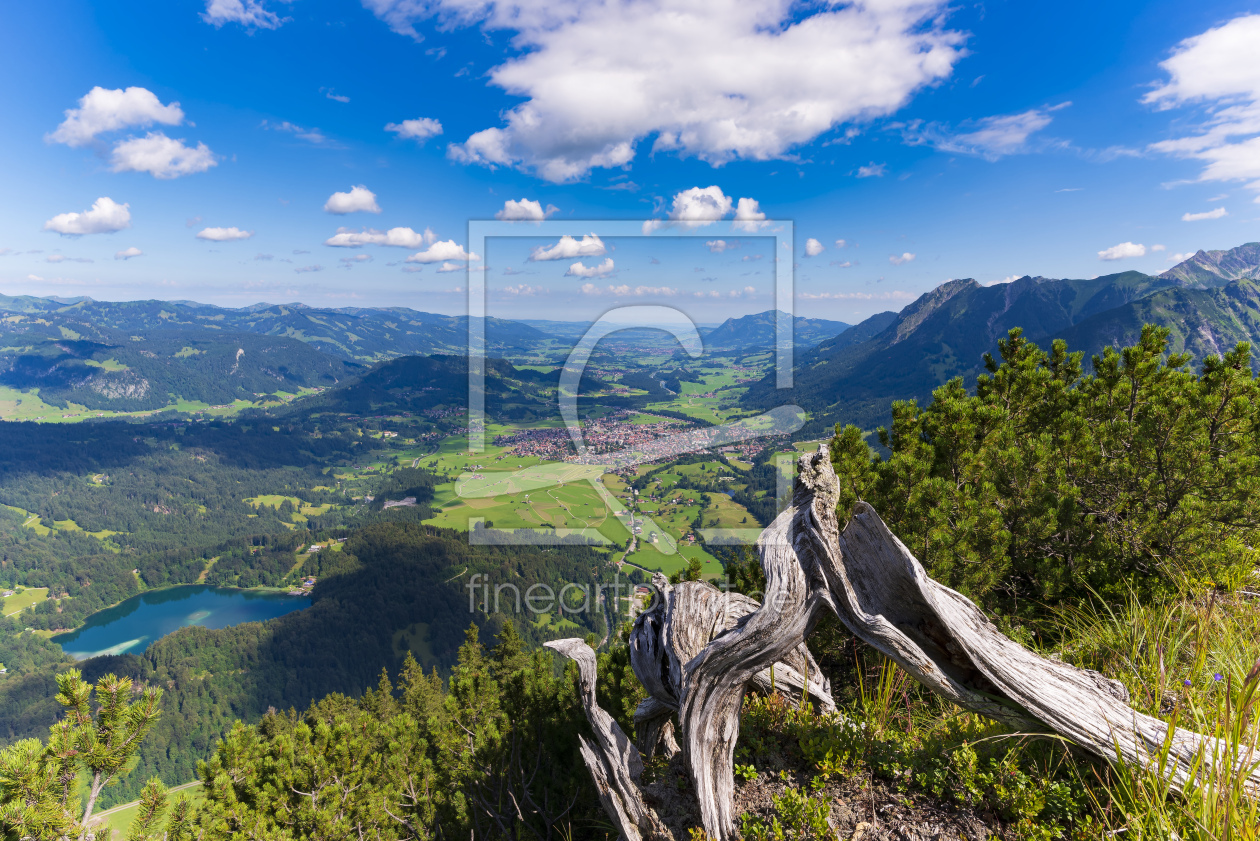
(119, 818)
(14, 605)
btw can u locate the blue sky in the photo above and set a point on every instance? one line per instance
(990, 140)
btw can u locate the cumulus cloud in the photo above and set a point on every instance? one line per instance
(248, 13)
(568, 248)
(626, 291)
(1157, 248)
(898, 259)
(105, 217)
(1122, 251)
(359, 200)
(223, 234)
(523, 289)
(399, 237)
(580, 269)
(440, 251)
(450, 267)
(160, 156)
(717, 246)
(1209, 214)
(597, 78)
(525, 210)
(699, 206)
(1217, 69)
(419, 130)
(872, 170)
(841, 243)
(102, 110)
(1180, 258)
(989, 138)
(748, 216)
(813, 247)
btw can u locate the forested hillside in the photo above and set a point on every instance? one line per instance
(132, 373)
(351, 333)
(946, 332)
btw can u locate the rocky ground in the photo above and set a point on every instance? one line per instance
(862, 809)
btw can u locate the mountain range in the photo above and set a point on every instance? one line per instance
(1210, 302)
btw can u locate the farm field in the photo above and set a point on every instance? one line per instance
(19, 602)
(119, 818)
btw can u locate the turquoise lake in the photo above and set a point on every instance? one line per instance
(132, 626)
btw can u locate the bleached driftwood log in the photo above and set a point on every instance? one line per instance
(613, 761)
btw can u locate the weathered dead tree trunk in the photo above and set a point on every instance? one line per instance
(613, 761)
(697, 650)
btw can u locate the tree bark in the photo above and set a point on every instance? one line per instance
(613, 761)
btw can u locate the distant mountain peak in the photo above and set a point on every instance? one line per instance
(1209, 269)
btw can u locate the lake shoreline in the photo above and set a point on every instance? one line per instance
(135, 623)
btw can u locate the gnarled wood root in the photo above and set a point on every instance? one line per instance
(613, 761)
(880, 591)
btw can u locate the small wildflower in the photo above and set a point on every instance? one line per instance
(1186, 682)
(1217, 677)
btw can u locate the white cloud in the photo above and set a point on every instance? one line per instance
(568, 248)
(359, 200)
(357, 258)
(699, 206)
(311, 135)
(336, 97)
(399, 237)
(1180, 258)
(1122, 251)
(248, 13)
(1208, 214)
(523, 289)
(715, 79)
(106, 216)
(419, 130)
(59, 258)
(842, 264)
(160, 156)
(223, 234)
(897, 260)
(872, 170)
(626, 291)
(748, 216)
(102, 110)
(34, 277)
(751, 258)
(579, 269)
(1218, 70)
(813, 247)
(524, 210)
(990, 138)
(717, 246)
(439, 251)
(896, 295)
(450, 267)
(305, 269)
(841, 243)
(1157, 248)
